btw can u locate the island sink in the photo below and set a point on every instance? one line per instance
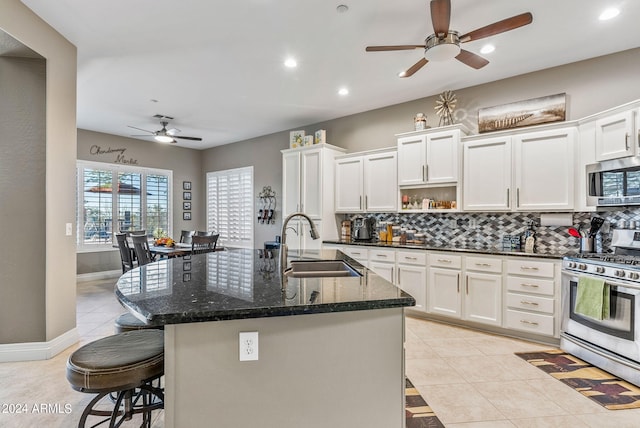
(320, 269)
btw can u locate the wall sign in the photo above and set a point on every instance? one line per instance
(96, 150)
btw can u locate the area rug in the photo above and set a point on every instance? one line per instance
(602, 387)
(418, 413)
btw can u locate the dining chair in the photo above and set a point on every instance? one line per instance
(126, 254)
(204, 233)
(135, 232)
(185, 236)
(141, 248)
(203, 244)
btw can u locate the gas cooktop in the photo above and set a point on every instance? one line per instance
(621, 267)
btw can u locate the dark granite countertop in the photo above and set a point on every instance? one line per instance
(452, 248)
(238, 284)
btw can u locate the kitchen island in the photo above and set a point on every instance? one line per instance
(330, 349)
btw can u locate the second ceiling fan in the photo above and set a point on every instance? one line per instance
(445, 43)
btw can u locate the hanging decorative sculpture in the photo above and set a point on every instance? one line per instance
(445, 104)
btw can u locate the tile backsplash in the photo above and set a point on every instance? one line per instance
(491, 227)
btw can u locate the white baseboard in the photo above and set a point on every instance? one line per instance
(96, 276)
(33, 351)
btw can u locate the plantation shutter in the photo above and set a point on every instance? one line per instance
(230, 206)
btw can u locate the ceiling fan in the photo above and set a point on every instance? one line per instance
(445, 43)
(165, 135)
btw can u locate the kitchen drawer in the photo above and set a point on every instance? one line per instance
(532, 323)
(445, 260)
(360, 254)
(483, 264)
(531, 285)
(376, 255)
(412, 257)
(531, 303)
(530, 268)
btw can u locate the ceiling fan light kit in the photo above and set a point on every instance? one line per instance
(164, 135)
(444, 43)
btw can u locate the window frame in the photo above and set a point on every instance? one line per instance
(116, 169)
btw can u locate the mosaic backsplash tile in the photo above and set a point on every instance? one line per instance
(491, 227)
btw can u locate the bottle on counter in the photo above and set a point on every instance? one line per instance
(389, 232)
(345, 231)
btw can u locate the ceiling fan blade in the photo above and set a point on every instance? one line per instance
(415, 67)
(471, 59)
(393, 48)
(141, 135)
(440, 16)
(498, 27)
(186, 138)
(140, 129)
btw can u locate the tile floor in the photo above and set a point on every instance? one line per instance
(470, 379)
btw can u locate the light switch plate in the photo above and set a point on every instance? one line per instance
(69, 229)
(248, 346)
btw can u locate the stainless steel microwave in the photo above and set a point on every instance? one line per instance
(614, 182)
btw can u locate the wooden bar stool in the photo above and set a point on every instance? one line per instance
(121, 370)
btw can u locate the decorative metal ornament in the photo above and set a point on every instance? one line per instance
(445, 104)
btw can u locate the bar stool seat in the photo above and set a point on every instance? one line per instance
(123, 367)
(128, 322)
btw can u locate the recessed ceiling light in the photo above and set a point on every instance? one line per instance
(612, 12)
(290, 63)
(343, 91)
(487, 49)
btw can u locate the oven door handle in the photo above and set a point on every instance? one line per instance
(573, 276)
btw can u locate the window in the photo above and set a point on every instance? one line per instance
(142, 200)
(230, 206)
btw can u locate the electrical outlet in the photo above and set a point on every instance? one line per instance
(248, 346)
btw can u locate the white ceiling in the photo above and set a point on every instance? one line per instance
(217, 67)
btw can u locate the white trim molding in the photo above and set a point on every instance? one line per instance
(97, 276)
(33, 351)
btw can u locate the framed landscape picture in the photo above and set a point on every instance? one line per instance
(186, 215)
(535, 111)
(186, 196)
(186, 185)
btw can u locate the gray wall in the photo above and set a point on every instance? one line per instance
(22, 192)
(43, 307)
(186, 165)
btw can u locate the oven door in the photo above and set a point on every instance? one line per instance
(618, 333)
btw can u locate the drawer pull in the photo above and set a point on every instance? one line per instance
(410, 258)
(355, 253)
(528, 322)
(483, 264)
(529, 268)
(525, 302)
(381, 255)
(524, 284)
(444, 260)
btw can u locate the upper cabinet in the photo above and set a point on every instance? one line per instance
(528, 171)
(367, 182)
(307, 180)
(616, 135)
(429, 157)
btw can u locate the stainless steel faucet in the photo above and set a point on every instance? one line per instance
(283, 243)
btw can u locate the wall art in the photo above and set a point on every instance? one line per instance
(535, 111)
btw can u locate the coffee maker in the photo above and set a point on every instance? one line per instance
(363, 228)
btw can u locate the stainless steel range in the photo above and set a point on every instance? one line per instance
(613, 343)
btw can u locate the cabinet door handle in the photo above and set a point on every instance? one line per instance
(526, 302)
(518, 197)
(399, 276)
(360, 202)
(508, 199)
(366, 202)
(392, 268)
(424, 173)
(626, 140)
(458, 283)
(467, 285)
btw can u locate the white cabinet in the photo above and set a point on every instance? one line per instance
(483, 290)
(487, 174)
(383, 262)
(429, 157)
(529, 171)
(443, 284)
(543, 166)
(532, 296)
(367, 182)
(412, 275)
(616, 136)
(307, 186)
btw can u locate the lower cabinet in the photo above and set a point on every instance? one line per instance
(412, 275)
(443, 284)
(383, 262)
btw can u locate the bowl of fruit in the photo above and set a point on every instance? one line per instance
(165, 241)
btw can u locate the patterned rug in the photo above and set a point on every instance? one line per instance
(600, 386)
(418, 412)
